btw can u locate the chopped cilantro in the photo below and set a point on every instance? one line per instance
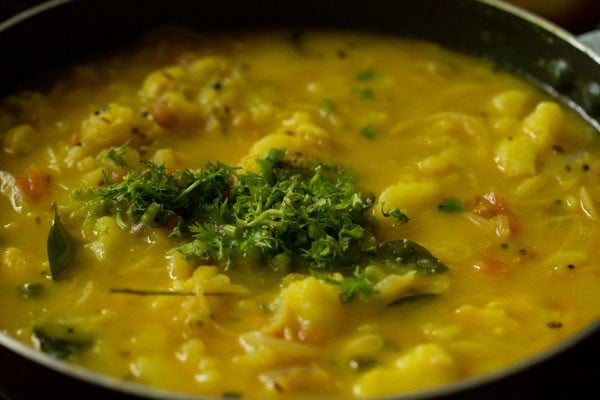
(328, 106)
(116, 154)
(365, 75)
(395, 213)
(368, 131)
(363, 92)
(356, 285)
(451, 205)
(293, 215)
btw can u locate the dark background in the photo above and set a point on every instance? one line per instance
(11, 7)
(579, 17)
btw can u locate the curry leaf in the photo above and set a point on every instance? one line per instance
(31, 290)
(405, 255)
(59, 247)
(413, 297)
(60, 342)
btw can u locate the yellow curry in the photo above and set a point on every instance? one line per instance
(293, 214)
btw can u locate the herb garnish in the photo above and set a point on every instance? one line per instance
(146, 292)
(143, 292)
(292, 215)
(116, 154)
(365, 75)
(368, 131)
(60, 341)
(59, 248)
(395, 213)
(328, 106)
(451, 205)
(363, 92)
(31, 290)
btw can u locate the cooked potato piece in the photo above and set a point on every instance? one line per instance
(108, 237)
(516, 156)
(406, 374)
(512, 103)
(20, 139)
(409, 197)
(308, 311)
(110, 126)
(544, 124)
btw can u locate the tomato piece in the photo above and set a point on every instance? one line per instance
(164, 116)
(491, 266)
(34, 184)
(490, 205)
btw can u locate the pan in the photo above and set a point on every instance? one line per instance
(41, 40)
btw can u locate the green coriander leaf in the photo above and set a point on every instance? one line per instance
(451, 205)
(365, 75)
(395, 213)
(328, 106)
(116, 154)
(357, 285)
(368, 131)
(363, 92)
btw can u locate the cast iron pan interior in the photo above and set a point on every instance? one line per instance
(77, 29)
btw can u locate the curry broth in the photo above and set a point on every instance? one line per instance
(499, 181)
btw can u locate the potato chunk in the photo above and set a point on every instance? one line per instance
(298, 134)
(516, 156)
(308, 310)
(511, 103)
(544, 123)
(109, 238)
(409, 197)
(197, 96)
(111, 126)
(407, 372)
(21, 139)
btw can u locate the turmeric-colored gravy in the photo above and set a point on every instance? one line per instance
(499, 182)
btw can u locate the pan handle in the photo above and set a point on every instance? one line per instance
(591, 39)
